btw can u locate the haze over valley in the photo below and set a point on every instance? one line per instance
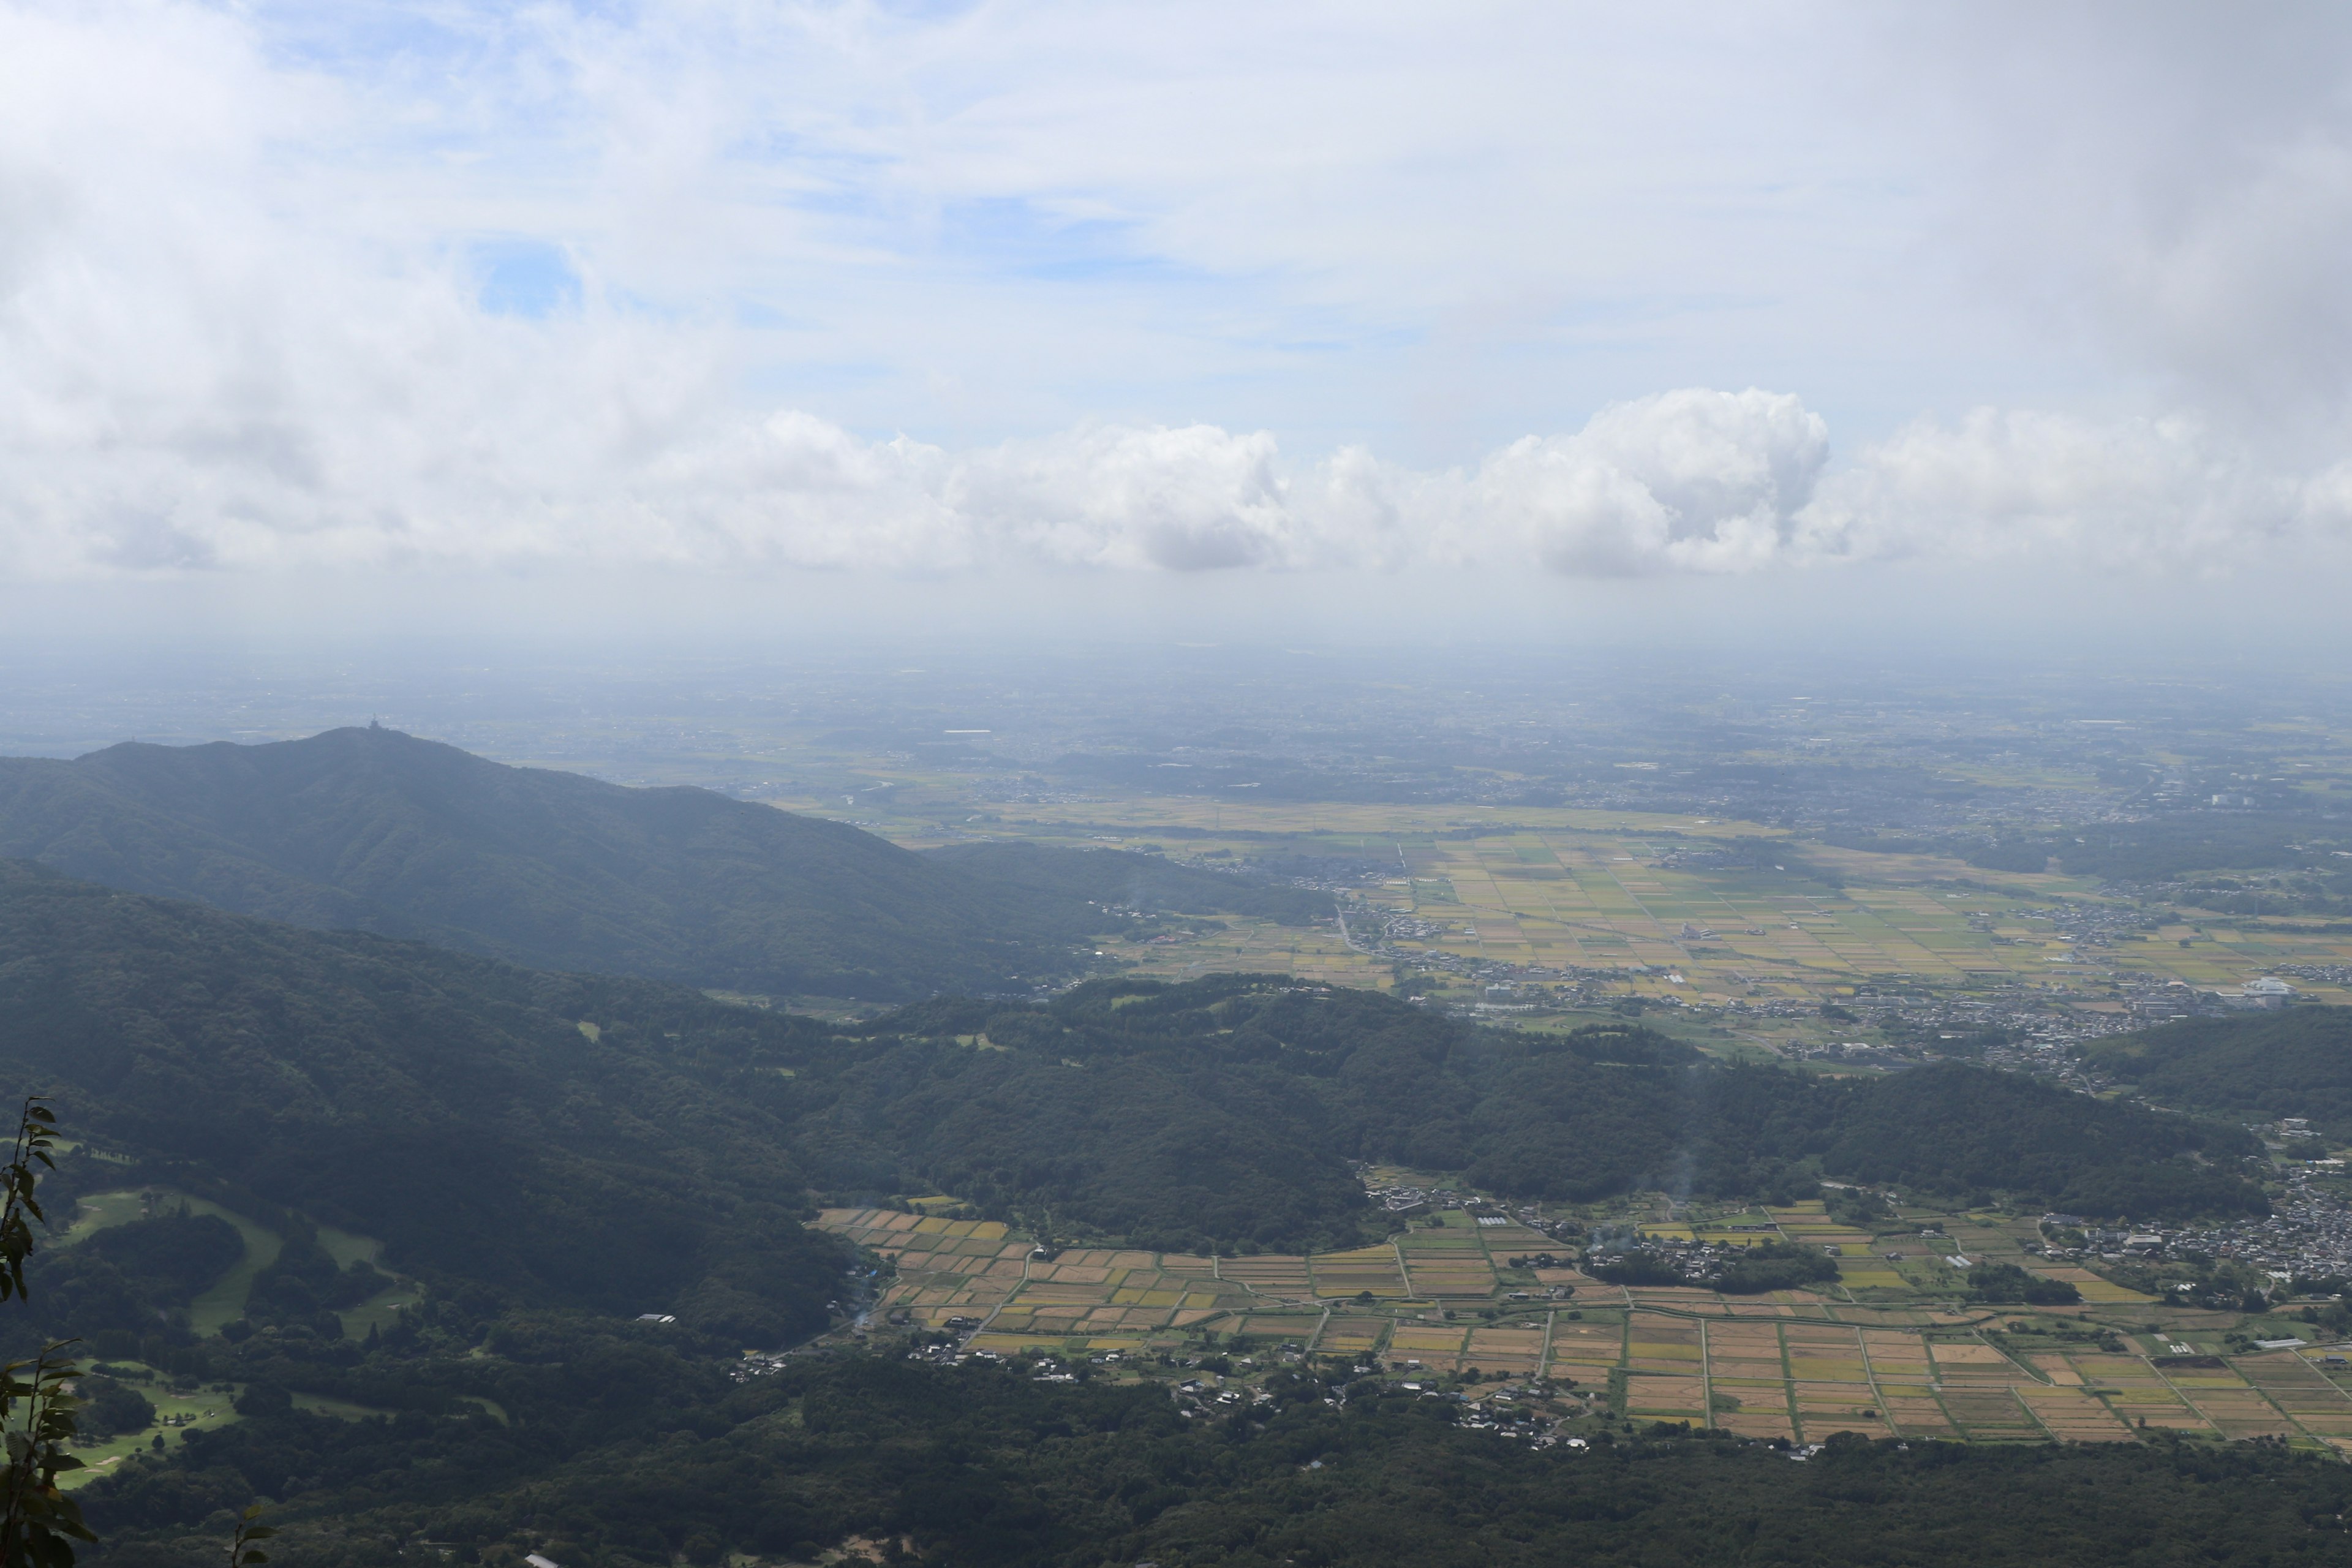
(817, 784)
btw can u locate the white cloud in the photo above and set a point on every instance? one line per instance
(2043, 488)
(2172, 185)
(1694, 480)
(1185, 499)
(1111, 264)
(1687, 481)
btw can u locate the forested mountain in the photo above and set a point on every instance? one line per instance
(376, 830)
(554, 1155)
(1222, 1113)
(2257, 1067)
(623, 1456)
(628, 1146)
(123, 1284)
(450, 1105)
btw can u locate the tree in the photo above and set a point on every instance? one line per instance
(38, 1523)
(242, 1551)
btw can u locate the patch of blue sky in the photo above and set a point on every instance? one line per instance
(1309, 347)
(1022, 238)
(1106, 268)
(361, 38)
(925, 10)
(759, 316)
(527, 278)
(623, 300)
(821, 176)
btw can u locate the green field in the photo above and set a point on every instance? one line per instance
(223, 1302)
(200, 1410)
(175, 1414)
(1554, 888)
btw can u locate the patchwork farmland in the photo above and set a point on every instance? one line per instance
(1888, 1350)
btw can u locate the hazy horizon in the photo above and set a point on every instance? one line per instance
(1059, 781)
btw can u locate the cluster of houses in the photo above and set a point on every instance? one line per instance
(2307, 1236)
(1404, 1200)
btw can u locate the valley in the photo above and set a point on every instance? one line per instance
(181, 1400)
(922, 784)
(1579, 1137)
(1456, 1307)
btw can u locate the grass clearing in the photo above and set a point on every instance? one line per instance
(175, 1413)
(223, 1301)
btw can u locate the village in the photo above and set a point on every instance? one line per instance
(1511, 1312)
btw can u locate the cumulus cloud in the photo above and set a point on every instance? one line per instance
(1186, 500)
(1694, 479)
(259, 314)
(2033, 485)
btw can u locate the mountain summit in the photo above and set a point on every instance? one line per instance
(376, 830)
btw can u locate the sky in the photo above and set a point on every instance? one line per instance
(827, 303)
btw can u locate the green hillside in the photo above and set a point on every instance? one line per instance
(628, 1146)
(451, 1106)
(376, 830)
(990, 1468)
(553, 1155)
(1222, 1113)
(2259, 1066)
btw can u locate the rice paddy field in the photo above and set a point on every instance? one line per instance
(1560, 888)
(1888, 1350)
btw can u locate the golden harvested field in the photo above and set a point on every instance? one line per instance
(1791, 1364)
(1551, 887)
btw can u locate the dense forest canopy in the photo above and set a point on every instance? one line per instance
(623, 1453)
(124, 1285)
(554, 1155)
(2263, 1067)
(451, 1106)
(372, 829)
(1108, 1104)
(630, 1146)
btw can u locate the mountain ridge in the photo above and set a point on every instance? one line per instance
(376, 830)
(447, 1104)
